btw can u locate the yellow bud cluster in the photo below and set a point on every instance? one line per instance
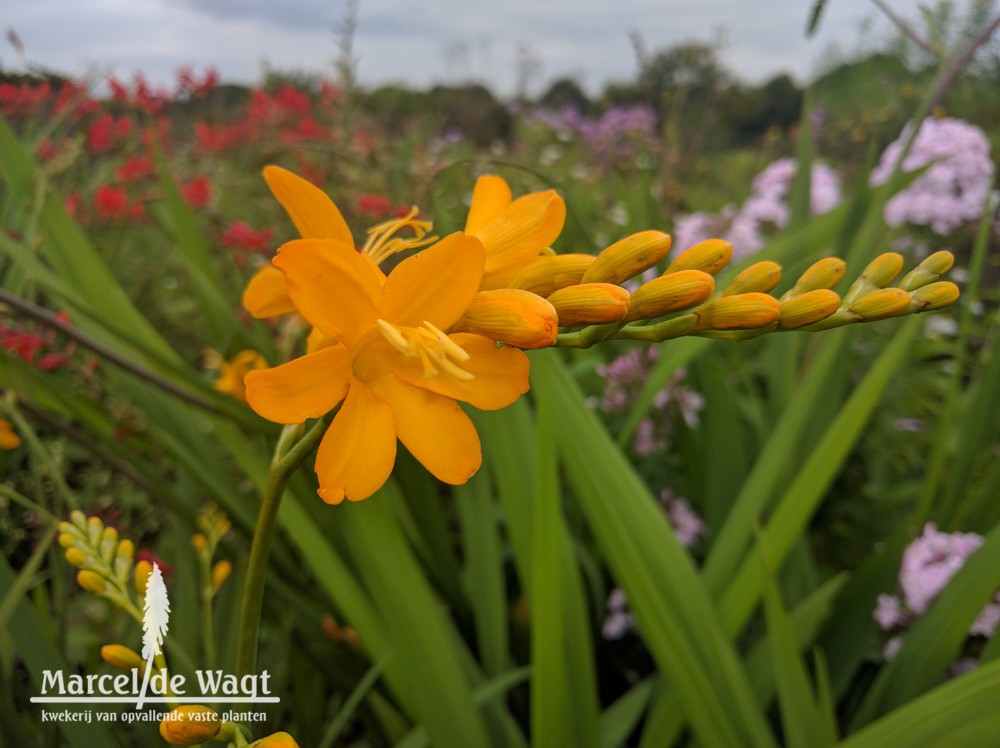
(105, 560)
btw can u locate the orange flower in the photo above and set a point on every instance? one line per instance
(8, 439)
(385, 356)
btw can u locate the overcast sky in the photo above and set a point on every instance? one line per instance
(426, 42)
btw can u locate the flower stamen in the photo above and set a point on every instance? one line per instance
(436, 351)
(383, 244)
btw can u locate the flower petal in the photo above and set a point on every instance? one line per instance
(500, 374)
(436, 284)
(358, 450)
(434, 428)
(306, 387)
(490, 197)
(266, 296)
(332, 286)
(311, 210)
(516, 236)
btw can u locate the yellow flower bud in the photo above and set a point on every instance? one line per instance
(881, 271)
(199, 541)
(881, 304)
(548, 274)
(628, 257)
(512, 316)
(122, 657)
(66, 539)
(760, 277)
(709, 256)
(928, 271)
(109, 543)
(125, 550)
(8, 438)
(670, 293)
(823, 274)
(141, 575)
(804, 309)
(220, 573)
(934, 296)
(95, 528)
(77, 557)
(277, 740)
(590, 304)
(91, 581)
(79, 520)
(190, 725)
(744, 312)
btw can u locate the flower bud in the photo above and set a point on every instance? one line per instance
(190, 725)
(199, 541)
(934, 296)
(512, 316)
(709, 256)
(628, 257)
(141, 575)
(744, 312)
(760, 277)
(804, 309)
(590, 304)
(109, 542)
(122, 657)
(823, 274)
(66, 539)
(79, 520)
(881, 304)
(277, 740)
(546, 275)
(220, 573)
(928, 271)
(77, 557)
(670, 293)
(95, 529)
(883, 269)
(91, 581)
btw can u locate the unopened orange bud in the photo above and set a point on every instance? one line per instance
(628, 257)
(66, 539)
(76, 557)
(548, 274)
(277, 740)
(122, 657)
(125, 550)
(199, 541)
(590, 304)
(141, 575)
(709, 256)
(91, 581)
(670, 293)
(190, 725)
(883, 269)
(934, 296)
(512, 316)
(220, 573)
(804, 309)
(744, 312)
(760, 277)
(928, 271)
(823, 274)
(881, 304)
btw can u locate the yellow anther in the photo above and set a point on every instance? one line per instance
(628, 257)
(709, 256)
(590, 304)
(807, 308)
(670, 293)
(382, 242)
(429, 344)
(760, 277)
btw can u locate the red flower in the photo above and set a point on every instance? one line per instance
(47, 150)
(242, 236)
(146, 555)
(111, 202)
(197, 193)
(374, 206)
(23, 344)
(72, 204)
(135, 168)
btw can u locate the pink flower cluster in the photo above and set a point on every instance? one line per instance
(766, 206)
(929, 563)
(954, 189)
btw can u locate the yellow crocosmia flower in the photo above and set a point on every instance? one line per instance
(233, 371)
(512, 316)
(628, 257)
(590, 304)
(8, 439)
(513, 232)
(395, 371)
(277, 740)
(190, 725)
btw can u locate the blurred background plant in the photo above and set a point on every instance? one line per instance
(658, 535)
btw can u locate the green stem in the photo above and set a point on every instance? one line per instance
(288, 455)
